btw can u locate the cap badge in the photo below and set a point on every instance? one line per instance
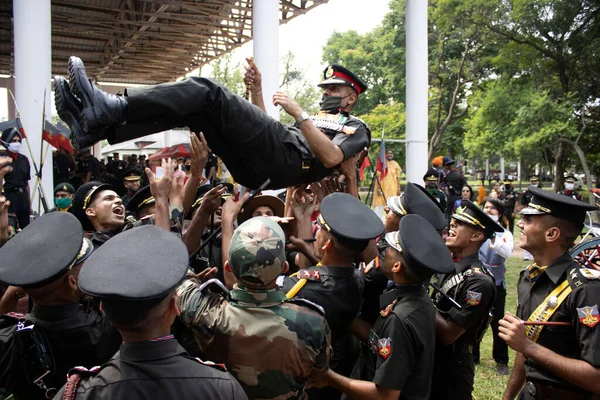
(329, 72)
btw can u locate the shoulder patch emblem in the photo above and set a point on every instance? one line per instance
(473, 298)
(385, 347)
(309, 275)
(222, 367)
(468, 272)
(349, 130)
(589, 315)
(477, 270)
(386, 311)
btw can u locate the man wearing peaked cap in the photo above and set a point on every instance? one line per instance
(562, 361)
(141, 204)
(16, 182)
(570, 188)
(132, 181)
(474, 289)
(398, 362)
(138, 296)
(269, 343)
(100, 209)
(45, 261)
(236, 131)
(345, 228)
(414, 200)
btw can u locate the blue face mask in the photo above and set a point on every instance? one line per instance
(63, 203)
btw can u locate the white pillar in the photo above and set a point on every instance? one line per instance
(416, 90)
(265, 35)
(501, 168)
(487, 167)
(519, 170)
(537, 169)
(33, 60)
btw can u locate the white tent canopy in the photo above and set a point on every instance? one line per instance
(148, 145)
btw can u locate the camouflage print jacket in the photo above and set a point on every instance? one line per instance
(271, 345)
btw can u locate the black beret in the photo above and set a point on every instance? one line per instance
(417, 200)
(41, 252)
(347, 217)
(421, 245)
(471, 214)
(83, 198)
(141, 198)
(558, 205)
(139, 264)
(335, 74)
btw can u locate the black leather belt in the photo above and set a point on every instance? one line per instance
(546, 392)
(15, 190)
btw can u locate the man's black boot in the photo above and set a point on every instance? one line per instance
(100, 109)
(69, 109)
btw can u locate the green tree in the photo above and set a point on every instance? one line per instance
(293, 81)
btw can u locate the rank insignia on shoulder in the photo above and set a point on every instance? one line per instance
(590, 273)
(386, 311)
(473, 298)
(15, 315)
(222, 367)
(83, 371)
(309, 275)
(477, 270)
(376, 263)
(385, 347)
(468, 272)
(589, 315)
(349, 130)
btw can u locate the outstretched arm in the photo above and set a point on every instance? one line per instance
(253, 81)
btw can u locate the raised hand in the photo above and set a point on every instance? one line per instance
(198, 154)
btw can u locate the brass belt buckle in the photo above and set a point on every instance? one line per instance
(305, 164)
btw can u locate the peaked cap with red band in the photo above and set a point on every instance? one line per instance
(335, 74)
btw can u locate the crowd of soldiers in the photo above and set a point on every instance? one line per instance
(193, 290)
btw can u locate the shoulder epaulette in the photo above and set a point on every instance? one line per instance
(220, 367)
(579, 276)
(307, 303)
(83, 371)
(74, 377)
(313, 275)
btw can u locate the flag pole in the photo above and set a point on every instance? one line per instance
(37, 173)
(377, 177)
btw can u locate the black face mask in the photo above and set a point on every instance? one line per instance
(188, 167)
(432, 185)
(330, 103)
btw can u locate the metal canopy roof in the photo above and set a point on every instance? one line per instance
(144, 41)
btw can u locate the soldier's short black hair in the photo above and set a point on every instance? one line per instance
(132, 315)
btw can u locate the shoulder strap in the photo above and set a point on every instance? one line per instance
(74, 378)
(296, 288)
(546, 309)
(307, 303)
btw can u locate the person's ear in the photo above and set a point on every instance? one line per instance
(90, 212)
(328, 244)
(397, 267)
(352, 98)
(173, 305)
(477, 236)
(286, 268)
(72, 280)
(102, 306)
(552, 234)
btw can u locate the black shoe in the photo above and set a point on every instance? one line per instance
(69, 108)
(502, 369)
(100, 109)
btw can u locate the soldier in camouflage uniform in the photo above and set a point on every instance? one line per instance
(269, 343)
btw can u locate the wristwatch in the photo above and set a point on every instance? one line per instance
(303, 117)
